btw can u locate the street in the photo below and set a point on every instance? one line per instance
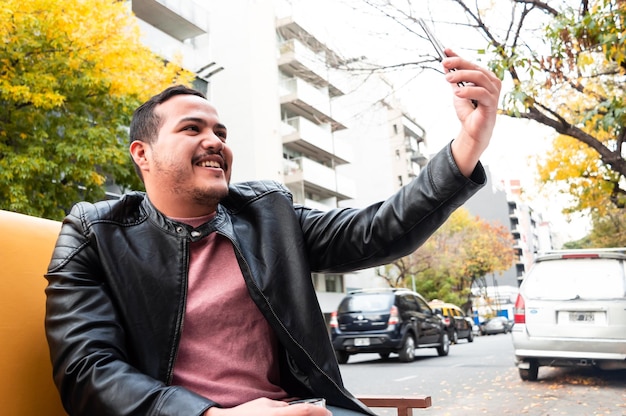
(481, 378)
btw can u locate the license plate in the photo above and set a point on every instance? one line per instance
(582, 317)
(361, 342)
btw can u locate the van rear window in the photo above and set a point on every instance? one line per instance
(576, 279)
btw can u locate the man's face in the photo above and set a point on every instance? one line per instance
(188, 166)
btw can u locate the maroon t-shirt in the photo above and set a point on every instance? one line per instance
(227, 351)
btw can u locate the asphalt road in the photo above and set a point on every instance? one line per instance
(480, 378)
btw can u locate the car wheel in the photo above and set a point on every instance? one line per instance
(470, 337)
(444, 348)
(384, 355)
(455, 337)
(530, 373)
(342, 357)
(407, 353)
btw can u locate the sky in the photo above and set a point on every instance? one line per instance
(354, 29)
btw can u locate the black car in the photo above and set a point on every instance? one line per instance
(386, 321)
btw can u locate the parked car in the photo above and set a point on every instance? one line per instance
(495, 325)
(386, 321)
(458, 324)
(571, 311)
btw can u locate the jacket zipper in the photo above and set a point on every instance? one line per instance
(180, 320)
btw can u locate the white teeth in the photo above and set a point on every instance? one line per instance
(209, 164)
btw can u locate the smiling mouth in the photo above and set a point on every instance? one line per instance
(209, 164)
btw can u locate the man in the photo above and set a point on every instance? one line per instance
(196, 298)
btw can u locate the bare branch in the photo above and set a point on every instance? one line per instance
(540, 5)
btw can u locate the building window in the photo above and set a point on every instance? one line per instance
(334, 283)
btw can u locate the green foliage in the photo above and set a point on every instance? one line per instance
(440, 285)
(71, 73)
(565, 63)
(584, 242)
(583, 82)
(572, 81)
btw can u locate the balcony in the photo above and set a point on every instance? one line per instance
(318, 179)
(178, 18)
(303, 99)
(290, 29)
(412, 129)
(419, 158)
(314, 141)
(296, 59)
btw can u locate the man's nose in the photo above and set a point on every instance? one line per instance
(212, 141)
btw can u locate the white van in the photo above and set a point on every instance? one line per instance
(571, 311)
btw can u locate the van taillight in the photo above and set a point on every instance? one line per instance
(333, 320)
(393, 316)
(519, 311)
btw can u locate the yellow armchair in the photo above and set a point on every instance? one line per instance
(26, 386)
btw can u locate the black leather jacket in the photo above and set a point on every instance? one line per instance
(117, 285)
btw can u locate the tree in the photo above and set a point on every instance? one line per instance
(489, 249)
(570, 168)
(71, 73)
(461, 252)
(566, 61)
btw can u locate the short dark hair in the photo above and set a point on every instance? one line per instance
(144, 126)
(145, 123)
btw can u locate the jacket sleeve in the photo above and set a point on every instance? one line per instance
(388, 230)
(87, 341)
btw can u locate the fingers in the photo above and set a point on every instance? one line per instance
(478, 83)
(304, 409)
(268, 407)
(471, 83)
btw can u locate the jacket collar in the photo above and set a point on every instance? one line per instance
(180, 229)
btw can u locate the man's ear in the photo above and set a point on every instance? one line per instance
(138, 153)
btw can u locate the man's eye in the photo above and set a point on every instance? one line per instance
(221, 135)
(191, 128)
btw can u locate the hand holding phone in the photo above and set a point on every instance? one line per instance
(439, 48)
